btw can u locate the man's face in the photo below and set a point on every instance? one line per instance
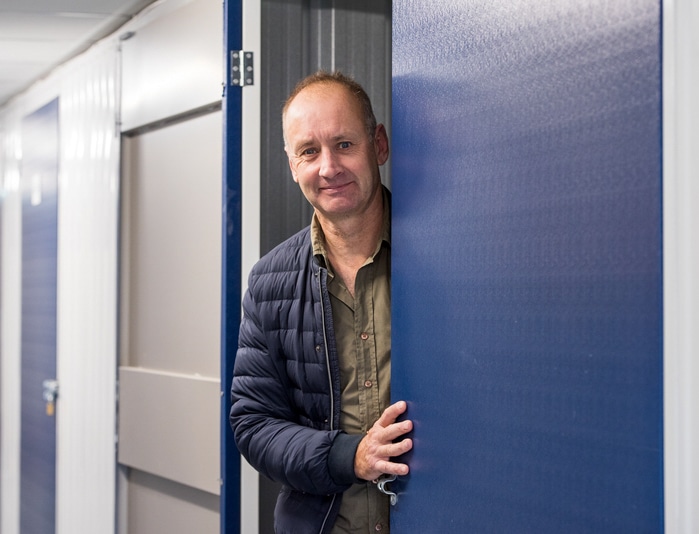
(331, 155)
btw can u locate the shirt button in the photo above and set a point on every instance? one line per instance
(364, 336)
(367, 384)
(378, 527)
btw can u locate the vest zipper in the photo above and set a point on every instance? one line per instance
(330, 384)
(327, 355)
(327, 514)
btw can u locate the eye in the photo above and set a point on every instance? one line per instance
(308, 152)
(344, 144)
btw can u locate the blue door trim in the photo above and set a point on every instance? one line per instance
(231, 290)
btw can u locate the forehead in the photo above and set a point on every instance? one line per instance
(321, 105)
(325, 90)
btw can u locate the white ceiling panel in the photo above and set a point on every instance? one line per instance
(38, 35)
(42, 27)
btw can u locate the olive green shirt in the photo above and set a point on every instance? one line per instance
(363, 334)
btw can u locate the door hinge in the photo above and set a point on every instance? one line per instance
(242, 70)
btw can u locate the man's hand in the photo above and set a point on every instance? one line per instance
(377, 448)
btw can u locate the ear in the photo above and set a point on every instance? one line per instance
(381, 144)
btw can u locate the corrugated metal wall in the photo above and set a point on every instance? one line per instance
(87, 287)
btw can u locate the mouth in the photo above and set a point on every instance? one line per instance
(336, 188)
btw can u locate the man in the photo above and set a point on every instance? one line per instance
(311, 390)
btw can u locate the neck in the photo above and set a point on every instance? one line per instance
(350, 242)
(355, 236)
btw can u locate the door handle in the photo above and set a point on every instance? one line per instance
(386, 479)
(50, 393)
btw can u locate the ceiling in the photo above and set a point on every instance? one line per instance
(38, 35)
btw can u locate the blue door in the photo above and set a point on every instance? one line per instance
(527, 254)
(39, 272)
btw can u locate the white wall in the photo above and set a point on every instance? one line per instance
(173, 63)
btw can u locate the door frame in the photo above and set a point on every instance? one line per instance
(231, 263)
(250, 220)
(680, 265)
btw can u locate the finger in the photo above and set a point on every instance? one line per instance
(391, 413)
(379, 436)
(395, 430)
(392, 468)
(396, 449)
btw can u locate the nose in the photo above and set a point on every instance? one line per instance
(329, 164)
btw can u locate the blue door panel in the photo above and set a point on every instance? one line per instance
(527, 266)
(39, 280)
